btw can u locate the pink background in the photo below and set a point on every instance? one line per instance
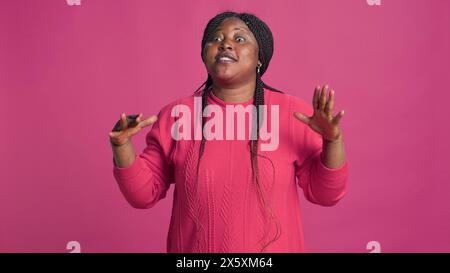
(67, 72)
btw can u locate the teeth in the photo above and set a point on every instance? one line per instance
(226, 59)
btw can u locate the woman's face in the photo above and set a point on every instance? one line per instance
(231, 53)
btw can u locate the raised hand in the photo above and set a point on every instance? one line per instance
(128, 126)
(322, 120)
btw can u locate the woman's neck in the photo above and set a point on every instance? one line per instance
(234, 94)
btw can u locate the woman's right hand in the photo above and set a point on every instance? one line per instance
(126, 127)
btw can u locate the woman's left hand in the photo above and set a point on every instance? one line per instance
(322, 120)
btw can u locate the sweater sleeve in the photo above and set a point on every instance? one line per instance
(321, 185)
(148, 178)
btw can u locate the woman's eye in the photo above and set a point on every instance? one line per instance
(239, 39)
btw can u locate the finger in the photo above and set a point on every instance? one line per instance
(303, 118)
(114, 134)
(123, 122)
(133, 130)
(330, 104)
(149, 121)
(338, 117)
(323, 98)
(316, 97)
(139, 118)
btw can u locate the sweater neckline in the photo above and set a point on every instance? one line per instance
(221, 102)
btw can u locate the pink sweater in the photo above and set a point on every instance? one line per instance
(222, 212)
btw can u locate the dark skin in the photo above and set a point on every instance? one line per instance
(232, 82)
(323, 122)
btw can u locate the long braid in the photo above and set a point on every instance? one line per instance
(264, 38)
(258, 102)
(205, 94)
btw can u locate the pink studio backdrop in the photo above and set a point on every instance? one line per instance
(67, 72)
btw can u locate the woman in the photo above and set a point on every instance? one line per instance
(231, 195)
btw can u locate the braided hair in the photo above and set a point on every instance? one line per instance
(264, 38)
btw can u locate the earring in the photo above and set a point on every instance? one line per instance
(258, 68)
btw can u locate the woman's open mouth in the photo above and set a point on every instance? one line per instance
(225, 58)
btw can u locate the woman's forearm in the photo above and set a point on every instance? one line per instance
(124, 155)
(333, 154)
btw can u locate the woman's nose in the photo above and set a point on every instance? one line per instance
(226, 44)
